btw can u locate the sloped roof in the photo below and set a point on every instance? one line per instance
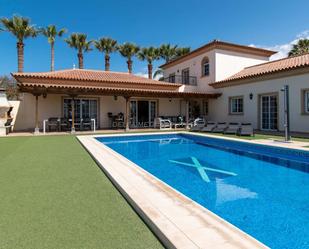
(268, 68)
(216, 44)
(91, 76)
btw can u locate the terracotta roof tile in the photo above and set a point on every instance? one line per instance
(91, 75)
(271, 67)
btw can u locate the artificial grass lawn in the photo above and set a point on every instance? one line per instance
(53, 195)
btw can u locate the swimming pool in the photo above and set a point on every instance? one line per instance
(262, 190)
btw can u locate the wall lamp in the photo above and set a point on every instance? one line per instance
(251, 96)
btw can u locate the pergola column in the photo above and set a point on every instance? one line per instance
(36, 129)
(187, 114)
(127, 113)
(73, 113)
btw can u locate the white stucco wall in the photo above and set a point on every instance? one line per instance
(229, 63)
(223, 64)
(218, 109)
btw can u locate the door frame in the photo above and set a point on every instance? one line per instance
(276, 94)
(149, 100)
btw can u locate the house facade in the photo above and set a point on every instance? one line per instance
(219, 81)
(248, 83)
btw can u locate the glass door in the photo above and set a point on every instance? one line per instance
(152, 112)
(269, 112)
(133, 114)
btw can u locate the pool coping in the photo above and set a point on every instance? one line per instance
(178, 221)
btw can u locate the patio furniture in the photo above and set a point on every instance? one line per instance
(209, 126)
(220, 128)
(178, 122)
(86, 124)
(53, 124)
(162, 123)
(78, 124)
(198, 124)
(64, 124)
(233, 128)
(246, 129)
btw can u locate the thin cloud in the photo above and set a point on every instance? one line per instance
(284, 49)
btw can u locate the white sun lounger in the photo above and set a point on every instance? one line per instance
(209, 127)
(233, 128)
(246, 129)
(220, 128)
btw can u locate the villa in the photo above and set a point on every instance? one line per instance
(219, 81)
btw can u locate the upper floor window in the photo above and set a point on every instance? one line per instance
(185, 75)
(171, 78)
(306, 101)
(236, 105)
(205, 66)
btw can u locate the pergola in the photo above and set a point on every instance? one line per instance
(39, 84)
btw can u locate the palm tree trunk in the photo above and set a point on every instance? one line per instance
(20, 56)
(129, 62)
(52, 63)
(80, 60)
(149, 71)
(107, 57)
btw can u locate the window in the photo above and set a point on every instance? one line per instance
(205, 66)
(236, 105)
(171, 78)
(185, 76)
(306, 101)
(205, 107)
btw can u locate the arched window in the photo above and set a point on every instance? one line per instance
(205, 66)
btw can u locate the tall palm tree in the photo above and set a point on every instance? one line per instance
(149, 54)
(301, 47)
(167, 52)
(107, 46)
(80, 43)
(51, 33)
(182, 51)
(21, 28)
(128, 50)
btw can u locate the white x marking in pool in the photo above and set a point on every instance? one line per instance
(202, 170)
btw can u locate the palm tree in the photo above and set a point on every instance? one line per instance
(21, 28)
(107, 46)
(167, 52)
(301, 47)
(128, 50)
(149, 54)
(159, 74)
(51, 33)
(80, 43)
(182, 51)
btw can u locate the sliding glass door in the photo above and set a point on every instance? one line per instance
(83, 108)
(269, 112)
(142, 113)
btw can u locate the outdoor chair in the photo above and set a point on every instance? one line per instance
(178, 122)
(220, 128)
(233, 128)
(53, 124)
(162, 123)
(209, 126)
(198, 124)
(8, 125)
(86, 124)
(78, 124)
(246, 129)
(64, 124)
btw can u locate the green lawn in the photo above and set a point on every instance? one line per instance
(53, 195)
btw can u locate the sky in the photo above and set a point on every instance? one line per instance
(271, 24)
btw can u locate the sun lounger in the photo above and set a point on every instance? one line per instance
(246, 129)
(209, 127)
(220, 128)
(162, 123)
(198, 124)
(233, 128)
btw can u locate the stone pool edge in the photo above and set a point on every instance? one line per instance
(177, 221)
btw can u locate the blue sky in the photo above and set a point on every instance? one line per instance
(264, 23)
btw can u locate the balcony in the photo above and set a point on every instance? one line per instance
(180, 79)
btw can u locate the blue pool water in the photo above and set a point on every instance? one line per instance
(262, 190)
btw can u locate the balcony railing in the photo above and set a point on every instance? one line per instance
(180, 79)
